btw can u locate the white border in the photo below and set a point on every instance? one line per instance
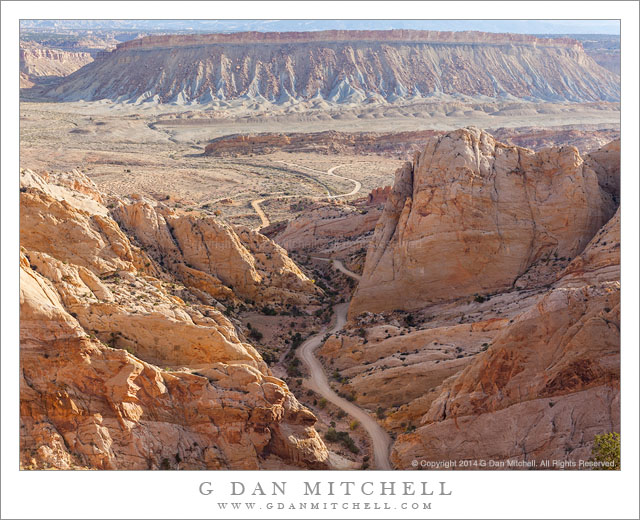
(174, 495)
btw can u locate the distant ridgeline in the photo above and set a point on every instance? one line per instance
(340, 67)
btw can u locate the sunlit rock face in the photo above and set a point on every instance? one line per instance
(117, 372)
(471, 216)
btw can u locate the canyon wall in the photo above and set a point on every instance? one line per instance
(547, 383)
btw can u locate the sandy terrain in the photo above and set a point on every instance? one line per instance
(158, 150)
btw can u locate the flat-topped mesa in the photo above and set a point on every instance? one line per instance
(475, 216)
(395, 35)
(339, 67)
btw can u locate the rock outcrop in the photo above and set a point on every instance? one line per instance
(340, 67)
(335, 230)
(400, 144)
(473, 216)
(378, 196)
(548, 383)
(118, 371)
(37, 60)
(211, 256)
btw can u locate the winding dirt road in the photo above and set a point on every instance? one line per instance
(356, 187)
(319, 383)
(264, 220)
(339, 266)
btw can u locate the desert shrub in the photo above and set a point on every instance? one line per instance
(606, 448)
(293, 368)
(256, 334)
(479, 298)
(296, 340)
(333, 435)
(269, 311)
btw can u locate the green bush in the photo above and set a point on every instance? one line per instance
(269, 311)
(606, 448)
(296, 340)
(293, 368)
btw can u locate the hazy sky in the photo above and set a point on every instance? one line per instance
(513, 26)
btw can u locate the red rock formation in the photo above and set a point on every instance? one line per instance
(472, 215)
(211, 256)
(117, 372)
(548, 383)
(379, 196)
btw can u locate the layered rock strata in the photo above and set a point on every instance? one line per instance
(341, 67)
(118, 372)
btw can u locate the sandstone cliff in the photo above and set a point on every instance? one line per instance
(211, 256)
(547, 384)
(472, 216)
(118, 371)
(510, 364)
(341, 67)
(37, 60)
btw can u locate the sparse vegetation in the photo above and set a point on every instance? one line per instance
(333, 435)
